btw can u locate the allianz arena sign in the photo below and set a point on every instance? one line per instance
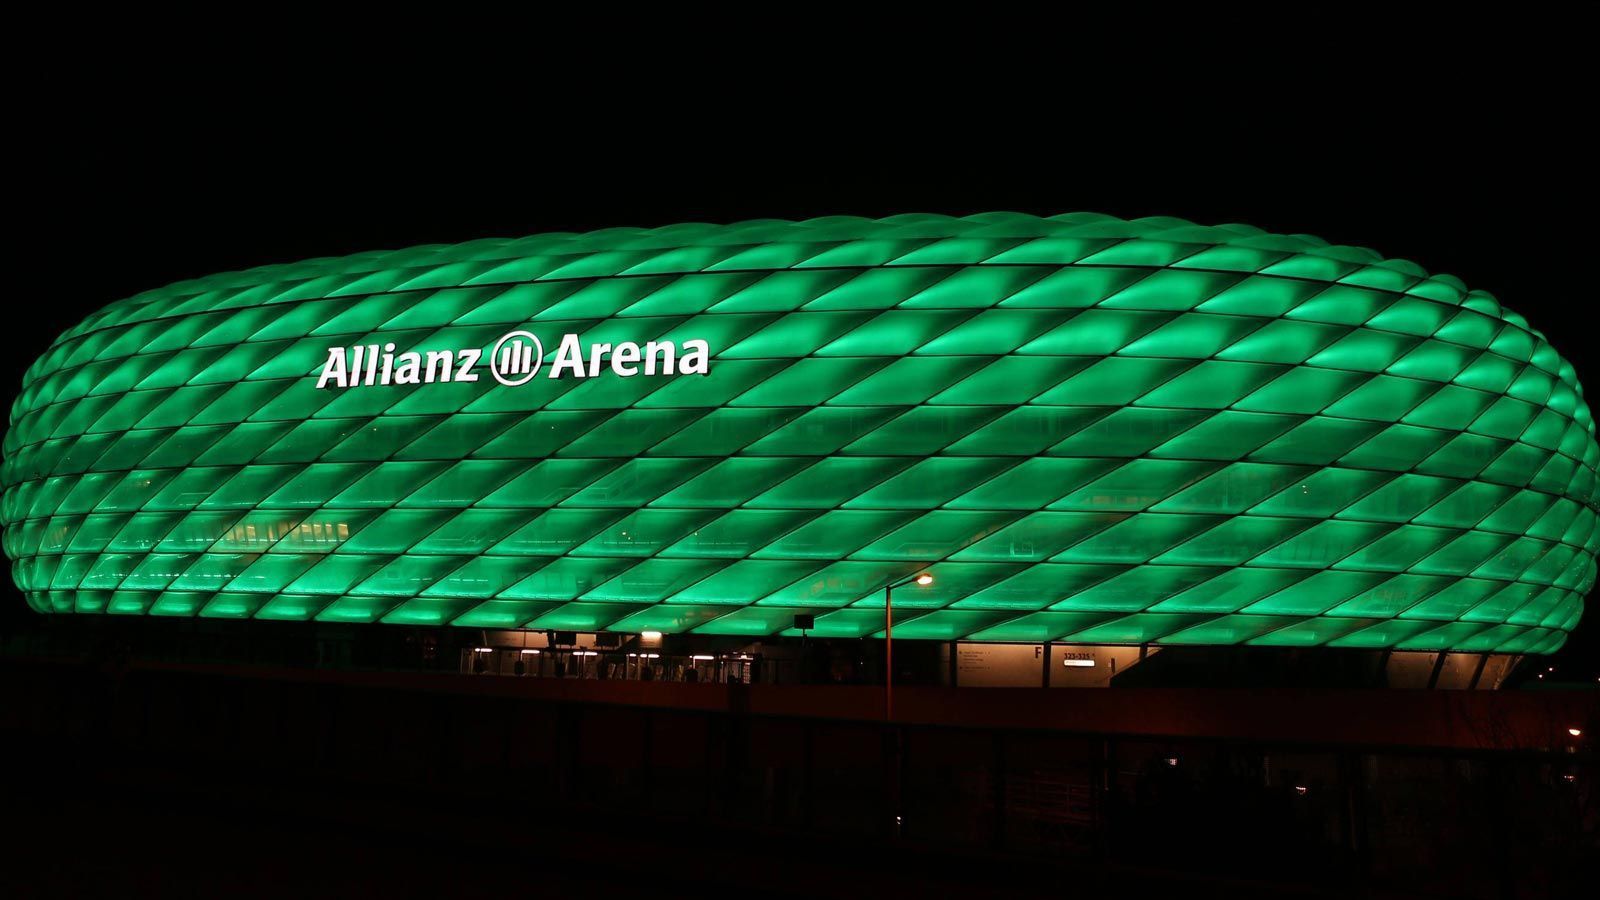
(515, 359)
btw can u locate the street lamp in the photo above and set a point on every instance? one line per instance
(924, 579)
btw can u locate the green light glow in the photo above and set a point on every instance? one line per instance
(1091, 430)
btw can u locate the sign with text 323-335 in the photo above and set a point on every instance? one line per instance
(517, 358)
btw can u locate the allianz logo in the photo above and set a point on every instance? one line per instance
(516, 358)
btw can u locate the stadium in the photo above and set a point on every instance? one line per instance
(1044, 450)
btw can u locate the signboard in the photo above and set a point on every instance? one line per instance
(999, 665)
(1080, 665)
(515, 359)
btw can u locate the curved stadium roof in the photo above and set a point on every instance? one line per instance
(1090, 429)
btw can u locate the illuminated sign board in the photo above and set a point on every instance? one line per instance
(515, 359)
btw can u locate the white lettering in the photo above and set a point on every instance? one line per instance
(333, 370)
(695, 357)
(406, 371)
(438, 360)
(569, 357)
(622, 358)
(515, 359)
(597, 353)
(665, 350)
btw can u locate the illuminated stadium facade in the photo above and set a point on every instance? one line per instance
(1088, 430)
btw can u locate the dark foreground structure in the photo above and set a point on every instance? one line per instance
(360, 783)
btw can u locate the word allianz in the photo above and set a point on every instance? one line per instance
(516, 358)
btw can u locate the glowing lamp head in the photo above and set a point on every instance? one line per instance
(924, 579)
(1575, 732)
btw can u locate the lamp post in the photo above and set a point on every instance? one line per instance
(924, 579)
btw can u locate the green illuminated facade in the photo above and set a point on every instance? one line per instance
(1087, 429)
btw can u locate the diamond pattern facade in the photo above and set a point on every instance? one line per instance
(1089, 429)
